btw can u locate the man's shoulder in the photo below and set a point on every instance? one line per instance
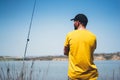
(71, 32)
(91, 33)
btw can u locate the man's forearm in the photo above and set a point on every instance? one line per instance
(66, 51)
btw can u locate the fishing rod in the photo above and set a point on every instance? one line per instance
(26, 46)
(28, 36)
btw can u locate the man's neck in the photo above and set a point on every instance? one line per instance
(81, 27)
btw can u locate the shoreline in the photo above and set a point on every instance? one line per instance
(102, 56)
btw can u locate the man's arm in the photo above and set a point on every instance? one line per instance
(66, 50)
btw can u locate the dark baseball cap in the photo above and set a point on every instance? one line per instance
(80, 17)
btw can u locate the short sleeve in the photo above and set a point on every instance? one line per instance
(66, 43)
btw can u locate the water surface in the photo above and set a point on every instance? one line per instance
(57, 70)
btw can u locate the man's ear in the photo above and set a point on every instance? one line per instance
(78, 23)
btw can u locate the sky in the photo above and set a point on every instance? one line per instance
(51, 23)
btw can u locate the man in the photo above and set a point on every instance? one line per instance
(79, 46)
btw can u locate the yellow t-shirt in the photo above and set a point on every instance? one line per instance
(82, 44)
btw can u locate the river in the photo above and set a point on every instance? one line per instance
(54, 70)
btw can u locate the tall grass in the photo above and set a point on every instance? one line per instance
(29, 72)
(115, 75)
(46, 73)
(14, 73)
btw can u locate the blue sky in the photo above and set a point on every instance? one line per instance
(51, 23)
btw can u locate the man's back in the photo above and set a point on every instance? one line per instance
(82, 44)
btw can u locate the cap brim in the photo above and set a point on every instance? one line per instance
(72, 19)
